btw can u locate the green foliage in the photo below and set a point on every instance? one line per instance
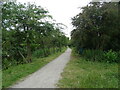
(97, 32)
(25, 30)
(93, 55)
(7, 63)
(111, 56)
(118, 56)
(38, 53)
(102, 56)
(45, 52)
(96, 27)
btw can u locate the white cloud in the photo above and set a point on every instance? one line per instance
(61, 10)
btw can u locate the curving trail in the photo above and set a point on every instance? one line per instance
(47, 76)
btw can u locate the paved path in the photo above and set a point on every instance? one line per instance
(47, 76)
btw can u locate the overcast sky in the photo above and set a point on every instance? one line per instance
(61, 10)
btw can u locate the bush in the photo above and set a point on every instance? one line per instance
(8, 63)
(111, 56)
(38, 53)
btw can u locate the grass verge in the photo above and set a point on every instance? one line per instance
(0, 79)
(15, 73)
(80, 73)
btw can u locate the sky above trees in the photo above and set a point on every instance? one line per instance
(61, 10)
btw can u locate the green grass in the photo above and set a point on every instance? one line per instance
(0, 79)
(15, 73)
(80, 73)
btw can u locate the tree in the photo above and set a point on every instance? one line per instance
(96, 27)
(26, 30)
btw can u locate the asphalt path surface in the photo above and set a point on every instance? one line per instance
(48, 76)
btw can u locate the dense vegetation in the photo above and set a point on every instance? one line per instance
(96, 34)
(96, 48)
(28, 31)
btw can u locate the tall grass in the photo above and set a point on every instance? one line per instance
(102, 56)
(45, 52)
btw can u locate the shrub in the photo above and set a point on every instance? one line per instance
(38, 53)
(111, 56)
(8, 63)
